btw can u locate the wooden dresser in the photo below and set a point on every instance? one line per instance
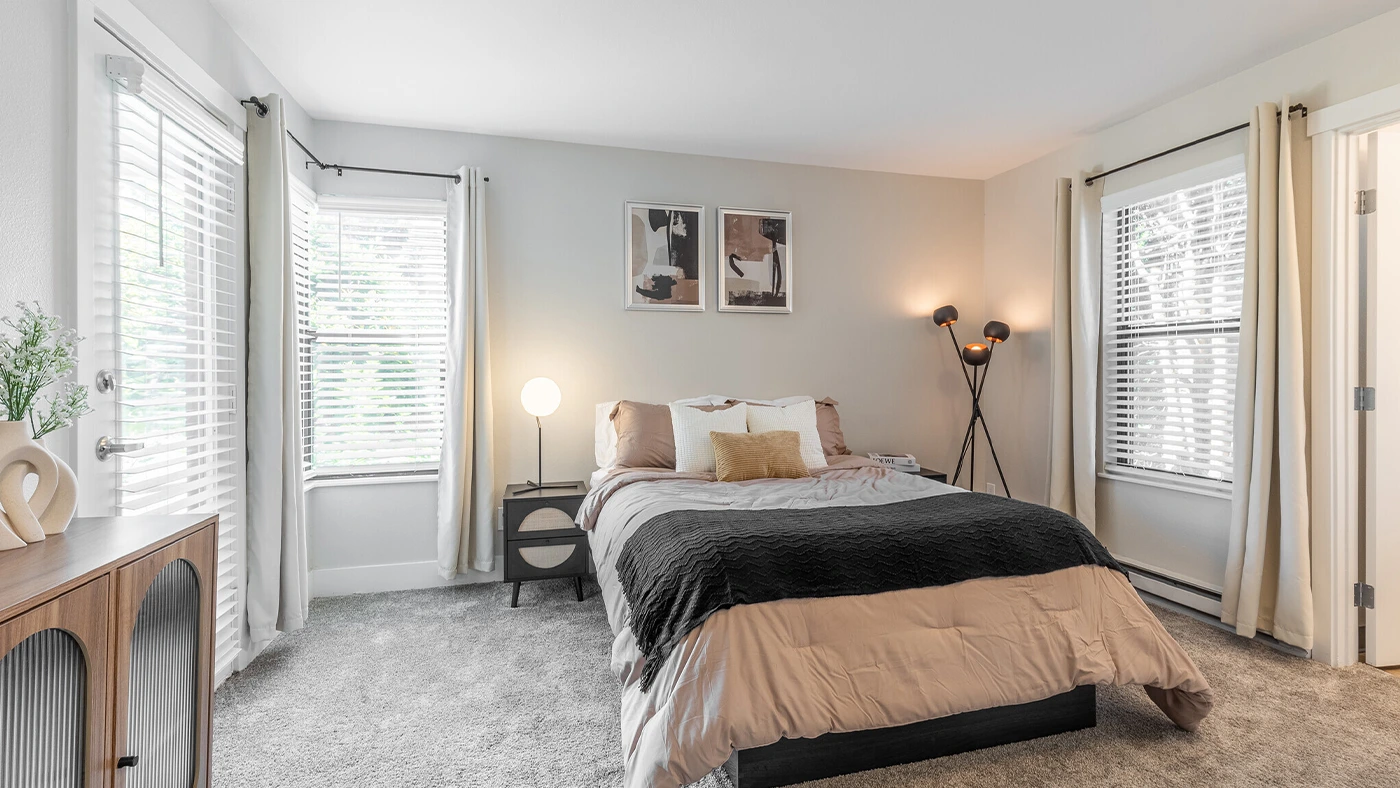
(106, 654)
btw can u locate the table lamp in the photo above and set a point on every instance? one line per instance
(540, 397)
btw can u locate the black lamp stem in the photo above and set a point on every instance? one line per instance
(967, 456)
(539, 484)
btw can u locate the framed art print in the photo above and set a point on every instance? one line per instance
(665, 257)
(755, 260)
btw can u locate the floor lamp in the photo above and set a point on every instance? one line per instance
(978, 357)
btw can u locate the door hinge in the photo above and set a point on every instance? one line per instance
(1364, 595)
(1364, 398)
(1366, 201)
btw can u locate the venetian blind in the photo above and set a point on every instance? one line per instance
(176, 308)
(302, 208)
(1173, 288)
(378, 336)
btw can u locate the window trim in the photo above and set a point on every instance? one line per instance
(1109, 205)
(369, 474)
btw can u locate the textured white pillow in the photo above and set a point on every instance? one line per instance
(691, 429)
(799, 417)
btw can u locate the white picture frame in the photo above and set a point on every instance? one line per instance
(663, 257)
(754, 261)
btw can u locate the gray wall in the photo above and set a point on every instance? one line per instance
(1183, 534)
(873, 255)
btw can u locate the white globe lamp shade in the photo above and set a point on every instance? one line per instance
(540, 396)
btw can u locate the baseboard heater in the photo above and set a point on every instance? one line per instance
(1174, 590)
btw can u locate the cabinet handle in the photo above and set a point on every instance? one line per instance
(127, 761)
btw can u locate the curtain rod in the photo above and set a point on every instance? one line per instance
(1090, 180)
(340, 168)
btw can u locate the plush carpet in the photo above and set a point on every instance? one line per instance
(450, 687)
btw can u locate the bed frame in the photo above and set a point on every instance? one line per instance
(789, 761)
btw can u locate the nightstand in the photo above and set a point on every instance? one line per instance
(542, 541)
(938, 476)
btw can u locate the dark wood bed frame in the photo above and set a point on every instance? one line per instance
(789, 761)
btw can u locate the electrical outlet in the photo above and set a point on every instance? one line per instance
(992, 488)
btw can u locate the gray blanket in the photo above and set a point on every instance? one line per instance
(681, 567)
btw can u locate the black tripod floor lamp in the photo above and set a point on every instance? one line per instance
(978, 357)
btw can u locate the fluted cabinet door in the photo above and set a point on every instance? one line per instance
(163, 670)
(54, 667)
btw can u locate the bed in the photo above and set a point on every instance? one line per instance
(815, 681)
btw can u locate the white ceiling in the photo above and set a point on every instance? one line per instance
(965, 89)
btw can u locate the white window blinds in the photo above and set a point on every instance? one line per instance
(302, 209)
(1173, 285)
(176, 308)
(377, 336)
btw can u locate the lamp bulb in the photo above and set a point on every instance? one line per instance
(540, 396)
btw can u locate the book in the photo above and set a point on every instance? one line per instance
(896, 462)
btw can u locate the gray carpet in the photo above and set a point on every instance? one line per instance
(452, 688)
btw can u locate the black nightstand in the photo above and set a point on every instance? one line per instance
(542, 541)
(938, 476)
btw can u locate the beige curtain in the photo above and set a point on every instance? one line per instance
(1075, 348)
(278, 592)
(1268, 581)
(466, 485)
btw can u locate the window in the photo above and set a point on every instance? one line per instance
(1173, 287)
(174, 312)
(372, 311)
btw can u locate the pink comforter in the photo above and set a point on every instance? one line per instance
(753, 674)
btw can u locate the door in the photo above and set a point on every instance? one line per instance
(163, 694)
(165, 319)
(54, 668)
(1380, 250)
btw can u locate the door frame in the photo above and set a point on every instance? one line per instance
(1336, 313)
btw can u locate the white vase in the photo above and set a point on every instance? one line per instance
(27, 519)
(59, 513)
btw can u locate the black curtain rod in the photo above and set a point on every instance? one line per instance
(340, 168)
(1090, 180)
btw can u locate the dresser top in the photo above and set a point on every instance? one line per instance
(90, 547)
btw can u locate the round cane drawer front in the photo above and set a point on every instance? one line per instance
(538, 519)
(540, 558)
(547, 556)
(546, 519)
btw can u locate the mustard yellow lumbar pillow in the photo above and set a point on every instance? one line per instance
(741, 456)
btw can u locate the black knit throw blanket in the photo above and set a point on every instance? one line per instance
(680, 567)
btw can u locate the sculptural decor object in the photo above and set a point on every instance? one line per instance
(35, 354)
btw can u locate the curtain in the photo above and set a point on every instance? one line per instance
(1075, 348)
(1268, 582)
(278, 590)
(466, 484)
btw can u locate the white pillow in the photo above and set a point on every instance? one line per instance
(691, 429)
(799, 417)
(604, 435)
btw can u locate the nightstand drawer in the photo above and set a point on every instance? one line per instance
(537, 559)
(539, 519)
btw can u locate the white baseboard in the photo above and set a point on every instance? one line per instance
(346, 580)
(1179, 593)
